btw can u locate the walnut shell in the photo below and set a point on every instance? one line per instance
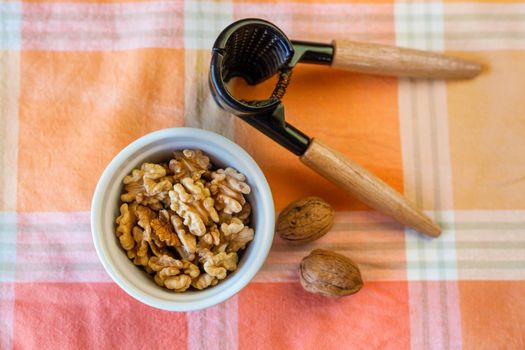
(305, 220)
(329, 274)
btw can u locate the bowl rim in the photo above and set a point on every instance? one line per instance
(97, 232)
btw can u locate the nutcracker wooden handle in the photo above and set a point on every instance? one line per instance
(397, 61)
(366, 187)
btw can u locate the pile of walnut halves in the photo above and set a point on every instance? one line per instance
(184, 222)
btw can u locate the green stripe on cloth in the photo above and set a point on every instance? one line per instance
(7, 246)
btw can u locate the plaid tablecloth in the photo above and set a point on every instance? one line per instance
(80, 80)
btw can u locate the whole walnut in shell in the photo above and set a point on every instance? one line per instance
(329, 274)
(305, 220)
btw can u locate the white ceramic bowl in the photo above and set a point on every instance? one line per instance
(158, 146)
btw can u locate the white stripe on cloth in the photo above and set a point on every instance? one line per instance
(57, 247)
(434, 309)
(477, 26)
(427, 174)
(435, 317)
(9, 125)
(500, 250)
(372, 240)
(200, 108)
(325, 22)
(177, 24)
(89, 27)
(203, 21)
(425, 143)
(419, 25)
(425, 146)
(431, 259)
(461, 26)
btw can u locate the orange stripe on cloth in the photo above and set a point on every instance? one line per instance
(78, 110)
(487, 134)
(355, 114)
(7, 305)
(284, 316)
(99, 315)
(493, 314)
